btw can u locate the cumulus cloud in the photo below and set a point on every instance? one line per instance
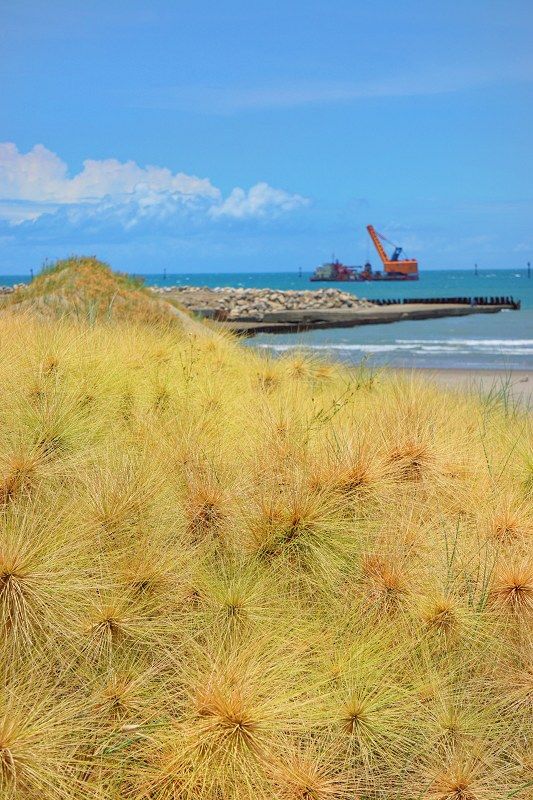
(41, 175)
(259, 201)
(37, 175)
(36, 187)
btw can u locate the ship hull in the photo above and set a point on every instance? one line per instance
(363, 279)
(333, 280)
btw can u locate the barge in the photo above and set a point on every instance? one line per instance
(337, 271)
(395, 268)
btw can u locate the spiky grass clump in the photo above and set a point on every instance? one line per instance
(232, 719)
(38, 736)
(304, 530)
(310, 773)
(512, 591)
(44, 576)
(385, 584)
(479, 776)
(225, 576)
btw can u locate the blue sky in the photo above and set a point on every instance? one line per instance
(247, 135)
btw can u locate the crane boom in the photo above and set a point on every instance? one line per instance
(395, 264)
(377, 244)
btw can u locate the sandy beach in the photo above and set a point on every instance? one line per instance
(484, 381)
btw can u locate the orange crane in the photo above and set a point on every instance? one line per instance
(393, 266)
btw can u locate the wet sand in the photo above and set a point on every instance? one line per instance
(518, 383)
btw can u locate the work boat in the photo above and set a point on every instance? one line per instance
(395, 268)
(334, 271)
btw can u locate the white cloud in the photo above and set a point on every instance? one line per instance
(37, 185)
(40, 175)
(37, 175)
(258, 201)
(112, 177)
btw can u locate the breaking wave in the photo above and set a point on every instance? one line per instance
(511, 347)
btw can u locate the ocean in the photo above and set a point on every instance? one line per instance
(480, 341)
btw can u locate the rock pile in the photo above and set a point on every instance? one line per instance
(239, 304)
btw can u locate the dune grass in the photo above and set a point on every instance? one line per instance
(226, 576)
(87, 289)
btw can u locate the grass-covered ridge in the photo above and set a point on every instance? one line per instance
(87, 289)
(223, 576)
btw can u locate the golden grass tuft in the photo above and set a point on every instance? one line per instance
(512, 590)
(44, 575)
(19, 472)
(468, 778)
(410, 460)
(37, 751)
(205, 510)
(386, 586)
(308, 774)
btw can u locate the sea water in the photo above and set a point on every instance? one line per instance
(478, 341)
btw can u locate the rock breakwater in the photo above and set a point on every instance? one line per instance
(11, 289)
(238, 303)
